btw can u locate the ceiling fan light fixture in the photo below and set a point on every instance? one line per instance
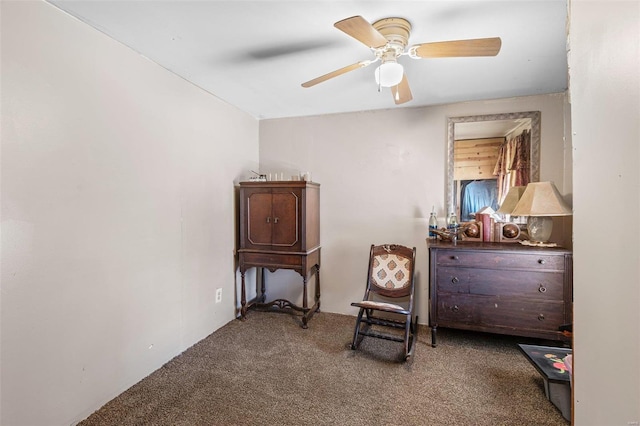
(389, 74)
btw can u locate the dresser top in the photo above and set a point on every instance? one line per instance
(476, 245)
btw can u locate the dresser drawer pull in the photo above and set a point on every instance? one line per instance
(454, 280)
(542, 288)
(455, 308)
(540, 317)
(454, 258)
(541, 261)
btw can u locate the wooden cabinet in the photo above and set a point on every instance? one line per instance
(503, 288)
(280, 229)
(279, 216)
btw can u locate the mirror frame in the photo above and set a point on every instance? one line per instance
(535, 145)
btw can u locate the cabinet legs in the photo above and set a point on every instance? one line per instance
(259, 301)
(244, 306)
(305, 308)
(243, 298)
(317, 298)
(308, 313)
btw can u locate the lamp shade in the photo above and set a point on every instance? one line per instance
(512, 198)
(541, 199)
(389, 74)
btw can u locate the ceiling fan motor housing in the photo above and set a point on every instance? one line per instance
(397, 32)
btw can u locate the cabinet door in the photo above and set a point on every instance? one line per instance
(286, 212)
(259, 218)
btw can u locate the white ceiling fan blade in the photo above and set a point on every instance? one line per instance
(457, 48)
(401, 92)
(360, 29)
(336, 73)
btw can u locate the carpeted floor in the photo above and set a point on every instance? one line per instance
(267, 370)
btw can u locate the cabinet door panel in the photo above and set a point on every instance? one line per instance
(286, 206)
(259, 218)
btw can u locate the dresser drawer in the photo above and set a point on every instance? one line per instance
(500, 260)
(487, 312)
(540, 285)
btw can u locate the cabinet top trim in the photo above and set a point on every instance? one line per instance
(280, 184)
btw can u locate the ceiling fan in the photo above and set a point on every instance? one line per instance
(388, 39)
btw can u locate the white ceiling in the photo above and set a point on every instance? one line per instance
(255, 54)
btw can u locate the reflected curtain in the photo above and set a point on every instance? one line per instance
(512, 167)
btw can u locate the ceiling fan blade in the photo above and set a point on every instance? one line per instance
(360, 29)
(401, 92)
(336, 73)
(446, 49)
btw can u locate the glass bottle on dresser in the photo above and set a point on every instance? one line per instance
(433, 224)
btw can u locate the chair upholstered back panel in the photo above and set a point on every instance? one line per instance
(391, 271)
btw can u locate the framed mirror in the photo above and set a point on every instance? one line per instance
(485, 154)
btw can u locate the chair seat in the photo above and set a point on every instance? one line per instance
(381, 306)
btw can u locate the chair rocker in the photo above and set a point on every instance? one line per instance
(388, 298)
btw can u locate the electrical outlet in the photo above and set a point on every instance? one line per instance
(219, 295)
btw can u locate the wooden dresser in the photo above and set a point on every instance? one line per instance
(504, 288)
(280, 229)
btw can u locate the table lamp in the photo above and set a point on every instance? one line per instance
(540, 201)
(510, 201)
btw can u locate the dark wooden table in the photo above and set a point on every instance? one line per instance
(549, 361)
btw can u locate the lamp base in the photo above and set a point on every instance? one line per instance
(539, 228)
(537, 244)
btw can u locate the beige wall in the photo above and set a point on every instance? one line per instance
(381, 172)
(605, 96)
(118, 219)
(117, 215)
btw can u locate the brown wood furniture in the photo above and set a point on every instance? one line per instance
(390, 289)
(502, 288)
(550, 363)
(280, 229)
